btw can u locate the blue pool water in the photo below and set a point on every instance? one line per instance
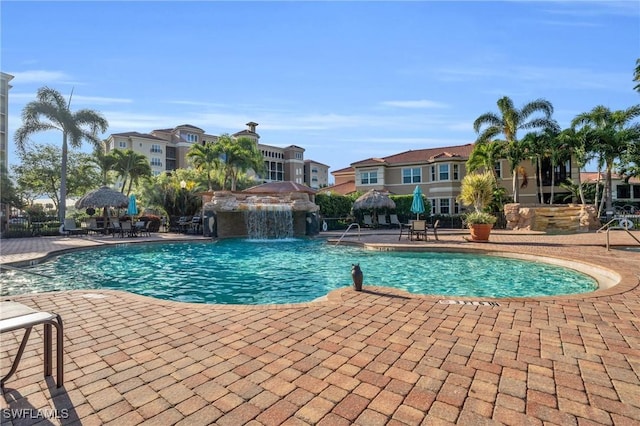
(292, 271)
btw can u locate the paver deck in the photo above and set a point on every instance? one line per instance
(375, 357)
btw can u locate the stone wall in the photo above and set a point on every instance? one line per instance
(556, 218)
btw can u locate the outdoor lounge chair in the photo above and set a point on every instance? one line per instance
(418, 229)
(393, 221)
(92, 226)
(70, 228)
(16, 316)
(382, 220)
(367, 221)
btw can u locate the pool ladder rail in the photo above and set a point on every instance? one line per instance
(608, 227)
(347, 230)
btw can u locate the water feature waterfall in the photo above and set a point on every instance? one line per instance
(269, 221)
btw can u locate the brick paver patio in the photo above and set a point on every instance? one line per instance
(371, 358)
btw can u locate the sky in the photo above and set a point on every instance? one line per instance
(345, 80)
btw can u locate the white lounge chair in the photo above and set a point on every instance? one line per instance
(367, 220)
(382, 220)
(393, 220)
(70, 228)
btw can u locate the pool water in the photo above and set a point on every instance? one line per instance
(289, 271)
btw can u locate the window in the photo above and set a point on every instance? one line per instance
(456, 173)
(298, 155)
(623, 191)
(155, 161)
(368, 178)
(433, 205)
(122, 144)
(155, 149)
(636, 191)
(444, 206)
(456, 207)
(433, 173)
(191, 137)
(497, 168)
(412, 175)
(443, 172)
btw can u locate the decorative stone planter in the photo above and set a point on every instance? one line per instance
(556, 218)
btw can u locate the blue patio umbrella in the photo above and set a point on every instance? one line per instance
(417, 206)
(132, 210)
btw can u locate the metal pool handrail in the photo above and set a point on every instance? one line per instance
(608, 228)
(347, 230)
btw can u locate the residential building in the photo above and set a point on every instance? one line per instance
(167, 150)
(439, 172)
(5, 211)
(316, 175)
(622, 192)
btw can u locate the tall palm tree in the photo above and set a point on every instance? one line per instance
(130, 166)
(50, 111)
(609, 134)
(511, 119)
(206, 159)
(237, 156)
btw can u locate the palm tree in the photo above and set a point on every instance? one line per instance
(206, 159)
(104, 161)
(636, 76)
(75, 127)
(130, 166)
(485, 155)
(609, 134)
(508, 123)
(236, 156)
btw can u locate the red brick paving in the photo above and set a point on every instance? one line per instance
(371, 358)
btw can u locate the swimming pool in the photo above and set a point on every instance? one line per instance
(287, 271)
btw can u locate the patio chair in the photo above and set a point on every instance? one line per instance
(16, 316)
(194, 227)
(418, 229)
(393, 221)
(70, 228)
(367, 221)
(115, 228)
(127, 228)
(92, 226)
(382, 220)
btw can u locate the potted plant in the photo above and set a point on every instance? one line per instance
(477, 191)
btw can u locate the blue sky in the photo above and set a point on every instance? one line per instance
(345, 80)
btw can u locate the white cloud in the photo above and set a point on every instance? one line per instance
(423, 103)
(38, 76)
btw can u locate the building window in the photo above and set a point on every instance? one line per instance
(413, 175)
(298, 156)
(155, 161)
(456, 207)
(636, 191)
(456, 172)
(122, 144)
(444, 206)
(433, 205)
(623, 191)
(368, 178)
(155, 149)
(433, 173)
(497, 169)
(443, 172)
(191, 137)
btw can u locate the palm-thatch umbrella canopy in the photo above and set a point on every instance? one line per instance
(101, 198)
(373, 199)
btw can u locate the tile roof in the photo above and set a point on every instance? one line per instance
(420, 155)
(593, 176)
(138, 135)
(344, 188)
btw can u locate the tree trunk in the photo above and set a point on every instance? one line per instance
(514, 182)
(540, 187)
(63, 179)
(553, 182)
(608, 187)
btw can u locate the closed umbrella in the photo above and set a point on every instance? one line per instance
(132, 210)
(417, 206)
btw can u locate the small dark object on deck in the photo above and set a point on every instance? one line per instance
(356, 274)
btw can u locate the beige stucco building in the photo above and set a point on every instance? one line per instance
(439, 172)
(166, 150)
(5, 211)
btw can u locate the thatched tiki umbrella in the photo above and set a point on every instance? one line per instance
(374, 200)
(102, 198)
